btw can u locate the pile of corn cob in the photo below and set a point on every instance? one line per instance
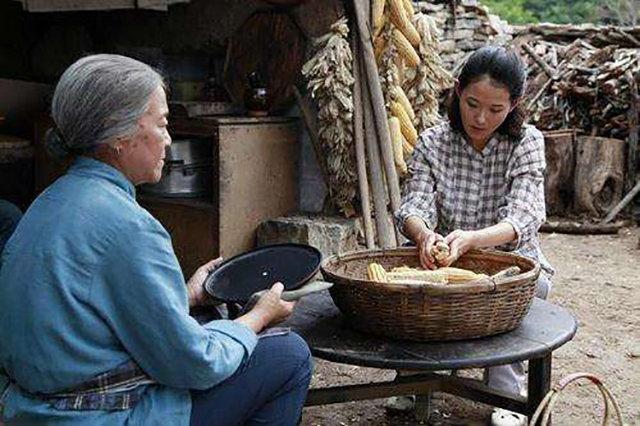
(406, 46)
(329, 75)
(407, 275)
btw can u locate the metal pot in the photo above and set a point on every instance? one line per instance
(189, 151)
(187, 172)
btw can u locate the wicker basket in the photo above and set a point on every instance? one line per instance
(431, 311)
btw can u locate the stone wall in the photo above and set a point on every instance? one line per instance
(471, 28)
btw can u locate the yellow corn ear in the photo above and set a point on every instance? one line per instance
(406, 126)
(399, 18)
(377, 273)
(377, 16)
(399, 269)
(408, 7)
(405, 48)
(396, 142)
(371, 272)
(407, 149)
(399, 96)
(431, 276)
(459, 275)
(413, 282)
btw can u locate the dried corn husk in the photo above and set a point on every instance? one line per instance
(424, 83)
(329, 75)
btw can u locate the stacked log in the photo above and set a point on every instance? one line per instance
(579, 85)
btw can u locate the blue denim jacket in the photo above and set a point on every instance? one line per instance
(89, 282)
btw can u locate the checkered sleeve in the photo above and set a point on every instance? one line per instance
(525, 204)
(419, 189)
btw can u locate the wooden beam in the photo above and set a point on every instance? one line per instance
(377, 103)
(622, 204)
(83, 5)
(411, 385)
(423, 384)
(358, 135)
(632, 140)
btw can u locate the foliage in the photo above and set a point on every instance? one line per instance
(512, 11)
(621, 12)
(556, 11)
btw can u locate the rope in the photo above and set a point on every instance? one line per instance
(546, 406)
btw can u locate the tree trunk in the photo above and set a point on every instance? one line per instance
(558, 183)
(599, 177)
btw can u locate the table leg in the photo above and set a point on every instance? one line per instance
(422, 411)
(539, 382)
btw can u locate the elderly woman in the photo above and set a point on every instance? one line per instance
(93, 305)
(477, 180)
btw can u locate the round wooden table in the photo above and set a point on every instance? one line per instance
(327, 332)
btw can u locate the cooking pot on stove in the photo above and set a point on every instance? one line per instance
(187, 171)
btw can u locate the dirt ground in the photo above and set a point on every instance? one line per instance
(598, 280)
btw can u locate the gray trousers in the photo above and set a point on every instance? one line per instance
(511, 377)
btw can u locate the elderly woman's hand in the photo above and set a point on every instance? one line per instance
(195, 285)
(269, 310)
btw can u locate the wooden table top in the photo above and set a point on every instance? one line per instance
(327, 332)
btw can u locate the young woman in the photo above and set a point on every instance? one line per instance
(93, 305)
(477, 180)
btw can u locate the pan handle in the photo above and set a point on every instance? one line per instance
(312, 287)
(288, 296)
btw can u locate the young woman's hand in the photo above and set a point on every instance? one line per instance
(425, 243)
(195, 285)
(459, 243)
(269, 310)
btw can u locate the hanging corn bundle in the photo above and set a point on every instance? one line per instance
(396, 51)
(329, 75)
(425, 82)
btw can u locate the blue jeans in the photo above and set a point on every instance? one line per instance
(9, 217)
(269, 388)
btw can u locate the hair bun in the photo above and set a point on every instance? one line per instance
(55, 144)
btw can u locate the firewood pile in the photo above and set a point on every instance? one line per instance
(581, 77)
(466, 27)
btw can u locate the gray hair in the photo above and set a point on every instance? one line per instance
(99, 99)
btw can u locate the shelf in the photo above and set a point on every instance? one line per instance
(204, 203)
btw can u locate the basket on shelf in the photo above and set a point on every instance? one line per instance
(432, 311)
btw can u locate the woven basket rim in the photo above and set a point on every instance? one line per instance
(479, 286)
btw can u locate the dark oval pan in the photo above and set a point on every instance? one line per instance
(236, 279)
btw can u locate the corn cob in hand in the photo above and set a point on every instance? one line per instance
(440, 251)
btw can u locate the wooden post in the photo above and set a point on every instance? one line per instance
(377, 102)
(632, 114)
(363, 183)
(385, 235)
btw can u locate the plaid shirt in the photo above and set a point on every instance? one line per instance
(452, 186)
